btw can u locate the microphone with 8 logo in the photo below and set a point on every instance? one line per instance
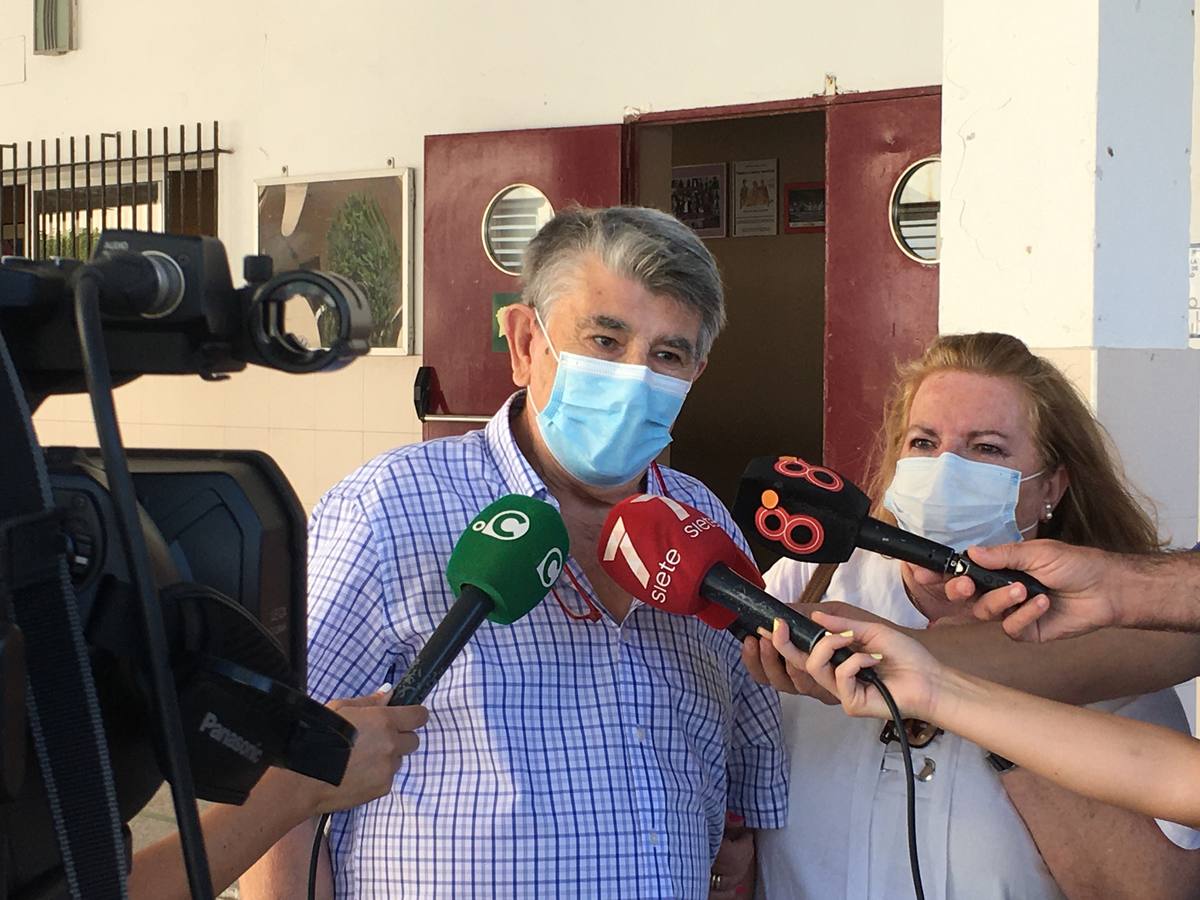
(811, 513)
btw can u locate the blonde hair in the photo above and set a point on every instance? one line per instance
(1098, 509)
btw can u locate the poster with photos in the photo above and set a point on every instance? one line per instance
(755, 193)
(698, 198)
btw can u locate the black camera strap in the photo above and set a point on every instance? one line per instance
(64, 714)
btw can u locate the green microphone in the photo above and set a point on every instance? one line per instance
(502, 566)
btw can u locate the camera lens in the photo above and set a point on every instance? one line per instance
(170, 284)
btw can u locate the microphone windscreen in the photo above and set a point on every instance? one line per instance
(513, 551)
(659, 550)
(800, 510)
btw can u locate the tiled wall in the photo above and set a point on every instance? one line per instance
(317, 427)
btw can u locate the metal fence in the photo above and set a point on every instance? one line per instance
(57, 196)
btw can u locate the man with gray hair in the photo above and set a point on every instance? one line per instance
(595, 747)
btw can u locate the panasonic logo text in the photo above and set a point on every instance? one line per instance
(211, 726)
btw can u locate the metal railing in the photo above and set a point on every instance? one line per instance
(56, 197)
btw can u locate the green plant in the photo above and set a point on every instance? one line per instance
(360, 247)
(65, 244)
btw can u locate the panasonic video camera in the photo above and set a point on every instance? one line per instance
(224, 531)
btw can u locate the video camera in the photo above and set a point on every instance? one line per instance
(177, 577)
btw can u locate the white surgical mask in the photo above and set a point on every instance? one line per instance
(956, 501)
(605, 421)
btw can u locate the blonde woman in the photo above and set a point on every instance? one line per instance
(983, 443)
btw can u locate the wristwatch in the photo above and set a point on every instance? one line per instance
(999, 763)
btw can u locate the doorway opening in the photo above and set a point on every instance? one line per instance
(762, 393)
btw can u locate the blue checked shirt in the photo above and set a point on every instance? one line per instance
(563, 757)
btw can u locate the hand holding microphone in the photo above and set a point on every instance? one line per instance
(911, 672)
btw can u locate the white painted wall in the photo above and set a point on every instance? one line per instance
(1142, 156)
(1097, 119)
(1066, 213)
(325, 86)
(1003, 263)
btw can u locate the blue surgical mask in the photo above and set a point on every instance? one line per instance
(956, 501)
(605, 421)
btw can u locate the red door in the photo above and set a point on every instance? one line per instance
(881, 306)
(466, 368)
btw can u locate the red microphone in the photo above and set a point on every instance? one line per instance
(674, 557)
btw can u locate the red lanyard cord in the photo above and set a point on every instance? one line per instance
(592, 614)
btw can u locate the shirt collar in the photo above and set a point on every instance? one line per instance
(519, 476)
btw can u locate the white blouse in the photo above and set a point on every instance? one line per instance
(846, 834)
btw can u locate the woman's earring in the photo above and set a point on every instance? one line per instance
(1048, 512)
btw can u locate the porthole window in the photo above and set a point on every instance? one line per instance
(916, 210)
(511, 220)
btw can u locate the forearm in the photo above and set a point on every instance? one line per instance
(234, 837)
(1094, 849)
(282, 873)
(1141, 767)
(1103, 665)
(1161, 591)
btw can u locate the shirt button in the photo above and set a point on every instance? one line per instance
(654, 838)
(927, 770)
(640, 734)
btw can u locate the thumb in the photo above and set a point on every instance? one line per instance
(1001, 556)
(379, 698)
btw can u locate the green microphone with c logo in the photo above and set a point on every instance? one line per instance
(502, 566)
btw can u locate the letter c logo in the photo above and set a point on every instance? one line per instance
(550, 567)
(506, 525)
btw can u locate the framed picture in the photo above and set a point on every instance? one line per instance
(804, 207)
(359, 225)
(755, 198)
(698, 198)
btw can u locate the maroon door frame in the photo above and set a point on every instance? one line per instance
(880, 305)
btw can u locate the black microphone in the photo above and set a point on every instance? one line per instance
(811, 513)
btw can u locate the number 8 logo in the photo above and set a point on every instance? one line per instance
(785, 526)
(817, 476)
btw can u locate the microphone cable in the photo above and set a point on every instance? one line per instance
(120, 484)
(315, 856)
(914, 864)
